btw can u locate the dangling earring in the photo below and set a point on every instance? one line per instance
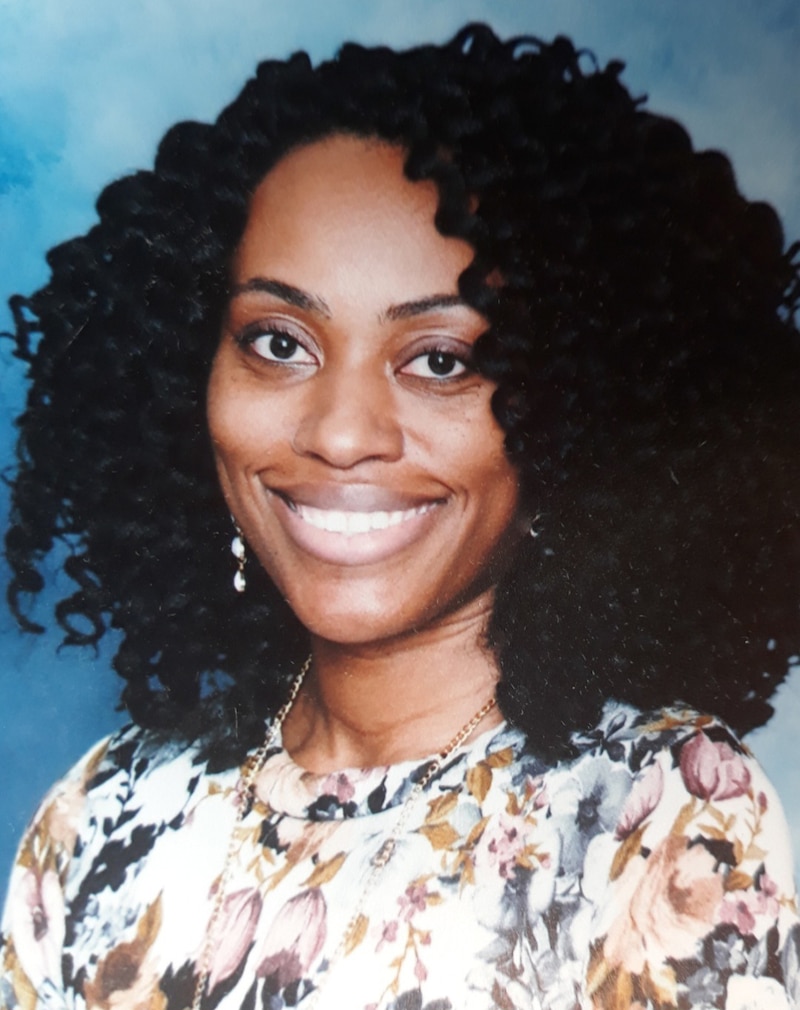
(238, 551)
(532, 528)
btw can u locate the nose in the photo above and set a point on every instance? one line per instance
(348, 419)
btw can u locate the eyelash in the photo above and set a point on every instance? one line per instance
(252, 334)
(451, 357)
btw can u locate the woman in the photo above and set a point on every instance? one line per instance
(415, 330)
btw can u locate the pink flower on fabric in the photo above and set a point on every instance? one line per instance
(237, 926)
(413, 900)
(667, 903)
(388, 933)
(642, 801)
(294, 940)
(536, 788)
(339, 785)
(36, 907)
(504, 845)
(744, 909)
(542, 798)
(739, 914)
(713, 771)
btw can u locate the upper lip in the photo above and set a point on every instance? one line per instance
(353, 497)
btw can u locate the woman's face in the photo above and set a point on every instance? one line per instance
(355, 447)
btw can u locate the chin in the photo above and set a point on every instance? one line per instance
(353, 628)
(355, 618)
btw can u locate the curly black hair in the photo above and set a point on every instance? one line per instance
(642, 333)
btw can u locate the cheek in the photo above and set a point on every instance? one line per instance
(217, 395)
(483, 457)
(234, 437)
(224, 418)
(471, 448)
(483, 471)
(240, 422)
(499, 489)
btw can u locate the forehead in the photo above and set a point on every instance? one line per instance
(343, 168)
(343, 209)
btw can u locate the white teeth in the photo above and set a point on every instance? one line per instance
(350, 523)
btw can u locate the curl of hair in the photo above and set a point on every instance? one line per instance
(642, 334)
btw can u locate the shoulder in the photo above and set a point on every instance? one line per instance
(89, 840)
(689, 772)
(127, 760)
(690, 867)
(629, 734)
(643, 777)
(131, 775)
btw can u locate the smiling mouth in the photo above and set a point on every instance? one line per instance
(352, 523)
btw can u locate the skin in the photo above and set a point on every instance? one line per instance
(359, 454)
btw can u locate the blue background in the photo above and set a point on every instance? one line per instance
(87, 88)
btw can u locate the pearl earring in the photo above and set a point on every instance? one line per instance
(238, 551)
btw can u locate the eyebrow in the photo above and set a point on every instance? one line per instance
(311, 303)
(286, 292)
(405, 310)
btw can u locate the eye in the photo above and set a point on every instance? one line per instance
(436, 364)
(277, 345)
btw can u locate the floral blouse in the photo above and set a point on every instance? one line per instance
(651, 871)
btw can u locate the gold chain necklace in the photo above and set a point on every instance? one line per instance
(245, 789)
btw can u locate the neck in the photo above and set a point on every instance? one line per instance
(378, 704)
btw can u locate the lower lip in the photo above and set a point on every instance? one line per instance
(352, 548)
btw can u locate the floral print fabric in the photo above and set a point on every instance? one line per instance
(651, 871)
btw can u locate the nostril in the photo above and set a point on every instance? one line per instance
(349, 430)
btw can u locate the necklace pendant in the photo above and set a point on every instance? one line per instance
(384, 853)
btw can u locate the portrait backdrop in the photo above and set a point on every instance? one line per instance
(87, 89)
